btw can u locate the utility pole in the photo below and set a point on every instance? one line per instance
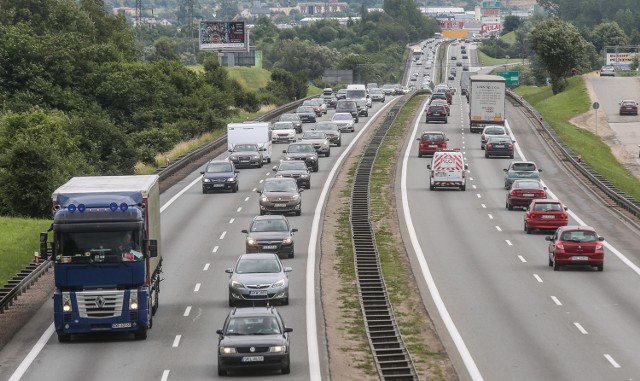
(138, 13)
(189, 6)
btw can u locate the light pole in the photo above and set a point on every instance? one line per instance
(507, 63)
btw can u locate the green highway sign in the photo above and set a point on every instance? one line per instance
(512, 78)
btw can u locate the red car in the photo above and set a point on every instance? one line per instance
(545, 214)
(522, 192)
(576, 245)
(430, 142)
(628, 107)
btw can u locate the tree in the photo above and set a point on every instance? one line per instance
(511, 23)
(560, 47)
(305, 58)
(608, 34)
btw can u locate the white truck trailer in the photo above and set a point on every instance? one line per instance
(251, 133)
(486, 101)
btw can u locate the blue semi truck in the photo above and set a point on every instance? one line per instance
(106, 255)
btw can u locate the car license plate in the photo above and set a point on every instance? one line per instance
(244, 161)
(259, 292)
(270, 247)
(528, 194)
(121, 325)
(548, 216)
(218, 185)
(579, 258)
(279, 205)
(441, 174)
(498, 146)
(252, 358)
(432, 145)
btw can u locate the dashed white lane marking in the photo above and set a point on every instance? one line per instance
(580, 328)
(474, 187)
(231, 220)
(498, 228)
(223, 234)
(253, 190)
(196, 288)
(215, 249)
(268, 173)
(261, 181)
(165, 375)
(490, 216)
(478, 194)
(556, 300)
(206, 267)
(522, 259)
(187, 311)
(246, 199)
(470, 178)
(537, 278)
(508, 242)
(483, 206)
(239, 209)
(176, 341)
(611, 361)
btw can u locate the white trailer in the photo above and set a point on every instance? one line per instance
(486, 101)
(251, 133)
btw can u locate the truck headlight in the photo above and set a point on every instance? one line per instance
(133, 300)
(227, 350)
(66, 302)
(278, 349)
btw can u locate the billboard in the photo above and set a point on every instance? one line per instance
(620, 60)
(228, 36)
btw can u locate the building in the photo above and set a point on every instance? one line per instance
(322, 8)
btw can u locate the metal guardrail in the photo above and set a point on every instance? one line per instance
(20, 283)
(392, 359)
(621, 199)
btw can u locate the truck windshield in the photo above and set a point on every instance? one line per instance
(99, 247)
(356, 94)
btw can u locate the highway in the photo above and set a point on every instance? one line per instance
(504, 314)
(201, 238)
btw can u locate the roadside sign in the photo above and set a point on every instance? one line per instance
(596, 105)
(512, 78)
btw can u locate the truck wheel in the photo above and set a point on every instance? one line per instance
(63, 337)
(431, 187)
(140, 334)
(155, 301)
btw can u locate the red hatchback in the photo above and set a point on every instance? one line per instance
(522, 192)
(545, 214)
(576, 245)
(430, 142)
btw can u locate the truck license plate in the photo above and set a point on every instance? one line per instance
(121, 325)
(579, 258)
(270, 247)
(258, 293)
(252, 358)
(441, 174)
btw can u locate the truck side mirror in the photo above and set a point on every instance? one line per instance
(153, 248)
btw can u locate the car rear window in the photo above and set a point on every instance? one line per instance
(523, 167)
(579, 236)
(436, 108)
(433, 137)
(547, 207)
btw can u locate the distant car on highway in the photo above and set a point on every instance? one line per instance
(345, 121)
(295, 118)
(436, 113)
(332, 131)
(341, 94)
(307, 114)
(280, 195)
(377, 95)
(220, 175)
(296, 169)
(430, 142)
(492, 131)
(499, 146)
(576, 245)
(608, 71)
(270, 234)
(520, 170)
(545, 214)
(628, 107)
(522, 192)
(319, 140)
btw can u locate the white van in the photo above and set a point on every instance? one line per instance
(258, 133)
(356, 92)
(448, 170)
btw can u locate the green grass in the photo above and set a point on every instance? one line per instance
(509, 38)
(250, 78)
(558, 109)
(18, 241)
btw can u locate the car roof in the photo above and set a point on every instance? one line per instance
(254, 311)
(273, 179)
(270, 217)
(213, 161)
(576, 227)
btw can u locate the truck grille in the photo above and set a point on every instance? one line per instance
(100, 304)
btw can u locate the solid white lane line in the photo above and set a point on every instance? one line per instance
(187, 311)
(556, 300)
(174, 198)
(490, 216)
(206, 267)
(580, 328)
(215, 249)
(611, 361)
(24, 365)
(498, 228)
(508, 242)
(537, 277)
(165, 375)
(196, 288)
(239, 209)
(522, 259)
(246, 199)
(176, 341)
(231, 220)
(223, 234)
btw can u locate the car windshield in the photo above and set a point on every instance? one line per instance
(523, 167)
(269, 226)
(326, 126)
(289, 117)
(547, 207)
(253, 325)
(579, 236)
(300, 148)
(433, 137)
(306, 109)
(313, 135)
(283, 126)
(494, 131)
(342, 116)
(218, 167)
(280, 186)
(245, 147)
(628, 103)
(292, 165)
(375, 91)
(258, 265)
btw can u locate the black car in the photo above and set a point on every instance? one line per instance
(220, 175)
(296, 169)
(246, 155)
(363, 109)
(270, 234)
(303, 151)
(306, 114)
(332, 131)
(498, 146)
(295, 118)
(350, 106)
(436, 114)
(254, 338)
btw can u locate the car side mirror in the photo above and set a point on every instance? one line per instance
(418, 139)
(300, 190)
(547, 238)
(219, 332)
(275, 169)
(539, 169)
(245, 231)
(600, 239)
(202, 172)
(288, 269)
(505, 169)
(284, 151)
(545, 188)
(258, 191)
(236, 171)
(565, 208)
(287, 329)
(447, 139)
(466, 166)
(294, 230)
(229, 271)
(428, 166)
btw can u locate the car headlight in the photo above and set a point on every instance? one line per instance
(287, 241)
(264, 199)
(295, 197)
(278, 349)
(256, 156)
(251, 241)
(206, 180)
(279, 283)
(228, 350)
(231, 179)
(305, 176)
(236, 284)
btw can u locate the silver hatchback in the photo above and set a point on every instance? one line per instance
(258, 277)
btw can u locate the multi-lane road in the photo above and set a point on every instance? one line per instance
(502, 313)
